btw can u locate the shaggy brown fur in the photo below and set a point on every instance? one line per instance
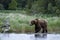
(39, 24)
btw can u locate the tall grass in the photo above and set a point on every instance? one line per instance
(21, 22)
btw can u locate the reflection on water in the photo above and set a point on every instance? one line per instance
(14, 36)
(41, 35)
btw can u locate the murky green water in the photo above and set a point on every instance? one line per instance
(14, 36)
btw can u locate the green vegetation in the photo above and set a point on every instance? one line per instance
(21, 22)
(13, 5)
(21, 12)
(32, 6)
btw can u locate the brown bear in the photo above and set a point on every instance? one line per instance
(39, 24)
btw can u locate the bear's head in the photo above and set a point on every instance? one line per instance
(33, 22)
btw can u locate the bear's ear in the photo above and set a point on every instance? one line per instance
(35, 21)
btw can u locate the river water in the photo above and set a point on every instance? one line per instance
(14, 36)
